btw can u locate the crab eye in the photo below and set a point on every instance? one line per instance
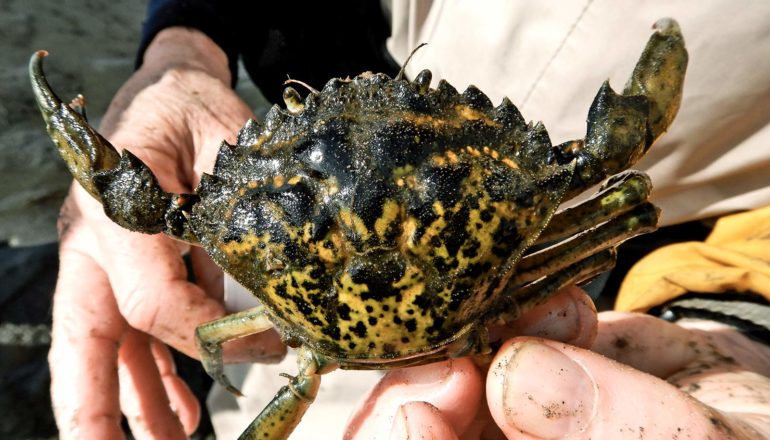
(422, 81)
(292, 100)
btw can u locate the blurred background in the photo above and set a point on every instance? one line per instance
(92, 45)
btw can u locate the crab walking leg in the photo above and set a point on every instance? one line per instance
(284, 412)
(210, 336)
(515, 301)
(640, 220)
(540, 274)
(106, 174)
(619, 195)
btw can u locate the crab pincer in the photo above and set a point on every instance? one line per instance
(622, 127)
(128, 191)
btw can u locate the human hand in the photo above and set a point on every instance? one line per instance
(656, 380)
(121, 296)
(445, 398)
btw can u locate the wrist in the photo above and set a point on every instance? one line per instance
(184, 48)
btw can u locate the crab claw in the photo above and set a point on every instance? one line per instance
(83, 149)
(622, 127)
(129, 192)
(659, 75)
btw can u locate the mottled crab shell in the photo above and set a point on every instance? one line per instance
(378, 220)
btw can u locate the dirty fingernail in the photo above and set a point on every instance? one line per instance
(559, 324)
(545, 393)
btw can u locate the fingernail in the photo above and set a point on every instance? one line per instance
(400, 428)
(547, 394)
(426, 374)
(560, 324)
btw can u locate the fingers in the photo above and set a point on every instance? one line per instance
(421, 420)
(154, 296)
(713, 363)
(454, 387)
(182, 400)
(83, 359)
(569, 316)
(739, 394)
(545, 389)
(143, 395)
(88, 330)
(149, 281)
(662, 348)
(646, 343)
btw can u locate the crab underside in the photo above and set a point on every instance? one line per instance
(383, 223)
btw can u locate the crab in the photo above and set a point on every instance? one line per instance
(383, 223)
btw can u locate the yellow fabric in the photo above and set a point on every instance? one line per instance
(735, 257)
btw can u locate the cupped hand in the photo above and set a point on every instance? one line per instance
(642, 378)
(121, 296)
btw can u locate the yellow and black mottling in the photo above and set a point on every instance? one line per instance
(378, 219)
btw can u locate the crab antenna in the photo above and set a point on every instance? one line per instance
(403, 68)
(303, 84)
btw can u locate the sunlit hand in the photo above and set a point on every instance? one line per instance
(644, 377)
(122, 296)
(447, 398)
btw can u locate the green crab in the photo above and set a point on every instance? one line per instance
(383, 223)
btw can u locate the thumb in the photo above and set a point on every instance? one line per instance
(547, 389)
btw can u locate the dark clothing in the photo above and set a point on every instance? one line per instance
(311, 41)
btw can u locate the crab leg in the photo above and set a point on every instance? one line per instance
(540, 274)
(210, 336)
(284, 412)
(619, 195)
(515, 301)
(640, 220)
(616, 213)
(129, 192)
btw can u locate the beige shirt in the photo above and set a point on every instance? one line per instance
(551, 57)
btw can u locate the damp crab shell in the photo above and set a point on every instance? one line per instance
(382, 222)
(381, 230)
